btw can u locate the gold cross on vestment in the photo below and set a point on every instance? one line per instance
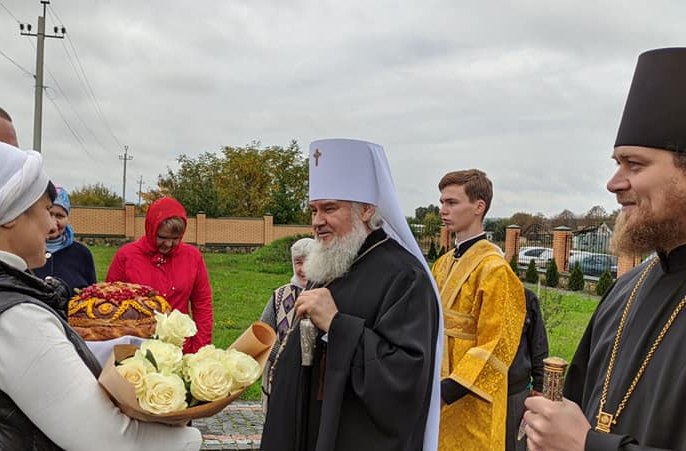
(316, 156)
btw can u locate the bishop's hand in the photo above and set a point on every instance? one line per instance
(555, 425)
(319, 305)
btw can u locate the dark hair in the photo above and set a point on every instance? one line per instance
(5, 115)
(51, 191)
(476, 185)
(680, 160)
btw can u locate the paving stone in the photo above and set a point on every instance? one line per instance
(237, 427)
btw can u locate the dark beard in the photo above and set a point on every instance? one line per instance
(645, 233)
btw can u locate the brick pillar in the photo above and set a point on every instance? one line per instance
(201, 229)
(268, 229)
(562, 247)
(512, 234)
(626, 263)
(444, 240)
(129, 221)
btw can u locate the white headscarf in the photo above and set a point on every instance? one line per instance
(352, 170)
(300, 248)
(22, 181)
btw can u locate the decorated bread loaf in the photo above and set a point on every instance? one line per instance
(110, 310)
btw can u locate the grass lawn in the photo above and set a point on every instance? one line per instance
(242, 284)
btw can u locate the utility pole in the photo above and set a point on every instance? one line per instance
(126, 157)
(25, 30)
(140, 188)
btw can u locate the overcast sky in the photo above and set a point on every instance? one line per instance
(531, 91)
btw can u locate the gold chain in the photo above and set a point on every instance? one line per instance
(605, 420)
(282, 345)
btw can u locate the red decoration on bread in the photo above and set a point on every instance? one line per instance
(110, 310)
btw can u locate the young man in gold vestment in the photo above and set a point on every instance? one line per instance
(483, 308)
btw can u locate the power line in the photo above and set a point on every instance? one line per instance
(40, 35)
(76, 113)
(73, 132)
(23, 69)
(90, 90)
(9, 12)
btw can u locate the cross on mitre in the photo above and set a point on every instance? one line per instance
(316, 156)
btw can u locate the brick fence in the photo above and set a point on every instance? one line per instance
(102, 222)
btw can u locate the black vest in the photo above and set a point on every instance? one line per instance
(17, 432)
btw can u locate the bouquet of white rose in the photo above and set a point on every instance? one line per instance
(158, 383)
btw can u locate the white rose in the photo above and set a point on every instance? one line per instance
(167, 356)
(174, 327)
(209, 380)
(244, 369)
(207, 352)
(163, 393)
(134, 369)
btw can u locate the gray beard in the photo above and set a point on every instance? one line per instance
(327, 262)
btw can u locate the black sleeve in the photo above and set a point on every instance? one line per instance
(451, 391)
(598, 441)
(537, 338)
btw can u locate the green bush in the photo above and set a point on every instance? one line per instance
(531, 272)
(514, 265)
(433, 254)
(552, 275)
(576, 279)
(441, 251)
(604, 283)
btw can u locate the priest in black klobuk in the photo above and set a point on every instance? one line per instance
(626, 386)
(358, 370)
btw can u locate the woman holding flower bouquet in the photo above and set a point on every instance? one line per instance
(175, 269)
(47, 374)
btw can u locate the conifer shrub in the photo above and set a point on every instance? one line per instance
(576, 279)
(514, 265)
(552, 275)
(433, 254)
(604, 283)
(531, 272)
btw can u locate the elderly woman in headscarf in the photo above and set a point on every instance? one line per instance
(279, 311)
(161, 260)
(68, 260)
(48, 376)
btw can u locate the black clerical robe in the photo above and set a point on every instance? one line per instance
(370, 385)
(654, 414)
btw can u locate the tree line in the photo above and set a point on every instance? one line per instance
(254, 180)
(247, 181)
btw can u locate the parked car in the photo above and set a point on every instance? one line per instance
(593, 264)
(540, 255)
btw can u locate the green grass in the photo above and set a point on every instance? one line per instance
(242, 284)
(566, 322)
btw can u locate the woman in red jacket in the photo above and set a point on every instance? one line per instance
(177, 270)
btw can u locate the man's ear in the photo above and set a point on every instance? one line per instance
(368, 211)
(480, 207)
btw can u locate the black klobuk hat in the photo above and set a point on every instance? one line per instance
(655, 110)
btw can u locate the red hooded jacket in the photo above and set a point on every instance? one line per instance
(180, 275)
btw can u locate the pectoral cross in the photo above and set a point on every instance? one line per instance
(316, 156)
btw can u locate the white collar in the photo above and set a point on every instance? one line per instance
(13, 260)
(457, 244)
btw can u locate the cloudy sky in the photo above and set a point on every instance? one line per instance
(531, 91)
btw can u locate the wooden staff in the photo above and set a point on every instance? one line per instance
(553, 382)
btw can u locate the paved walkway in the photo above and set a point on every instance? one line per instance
(238, 427)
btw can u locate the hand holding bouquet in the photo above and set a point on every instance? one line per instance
(158, 383)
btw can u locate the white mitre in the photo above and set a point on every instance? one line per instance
(358, 171)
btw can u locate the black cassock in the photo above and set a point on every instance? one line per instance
(370, 385)
(655, 414)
